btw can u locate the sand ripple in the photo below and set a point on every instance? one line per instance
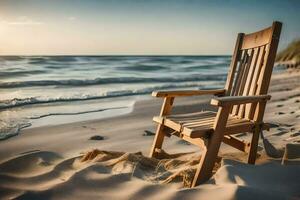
(101, 174)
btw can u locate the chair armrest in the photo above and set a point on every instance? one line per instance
(183, 93)
(236, 100)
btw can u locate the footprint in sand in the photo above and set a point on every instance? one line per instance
(282, 132)
(148, 133)
(88, 127)
(183, 142)
(295, 134)
(279, 105)
(281, 129)
(96, 137)
(274, 125)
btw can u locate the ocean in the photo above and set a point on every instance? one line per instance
(46, 90)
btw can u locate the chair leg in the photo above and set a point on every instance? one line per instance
(158, 141)
(197, 179)
(207, 161)
(159, 136)
(254, 146)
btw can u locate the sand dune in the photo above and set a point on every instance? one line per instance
(290, 56)
(61, 162)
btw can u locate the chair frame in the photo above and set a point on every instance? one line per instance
(227, 104)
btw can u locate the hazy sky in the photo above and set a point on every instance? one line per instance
(30, 27)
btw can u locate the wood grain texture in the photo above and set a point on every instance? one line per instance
(257, 39)
(237, 100)
(180, 93)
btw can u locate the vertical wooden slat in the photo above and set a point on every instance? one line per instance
(235, 58)
(239, 73)
(235, 108)
(240, 111)
(262, 71)
(259, 78)
(249, 108)
(239, 76)
(252, 65)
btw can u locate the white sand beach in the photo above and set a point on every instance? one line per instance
(62, 162)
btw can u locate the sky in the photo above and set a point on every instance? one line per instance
(138, 27)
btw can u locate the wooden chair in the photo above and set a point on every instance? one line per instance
(241, 104)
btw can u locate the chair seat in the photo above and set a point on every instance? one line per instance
(200, 124)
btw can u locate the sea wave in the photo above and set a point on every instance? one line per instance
(17, 73)
(112, 80)
(142, 67)
(16, 102)
(10, 129)
(205, 66)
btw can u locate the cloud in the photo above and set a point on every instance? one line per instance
(23, 21)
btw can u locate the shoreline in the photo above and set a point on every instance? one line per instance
(85, 116)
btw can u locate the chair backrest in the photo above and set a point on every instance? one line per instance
(251, 67)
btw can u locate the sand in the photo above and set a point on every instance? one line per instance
(62, 162)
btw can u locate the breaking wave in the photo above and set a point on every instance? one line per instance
(5, 104)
